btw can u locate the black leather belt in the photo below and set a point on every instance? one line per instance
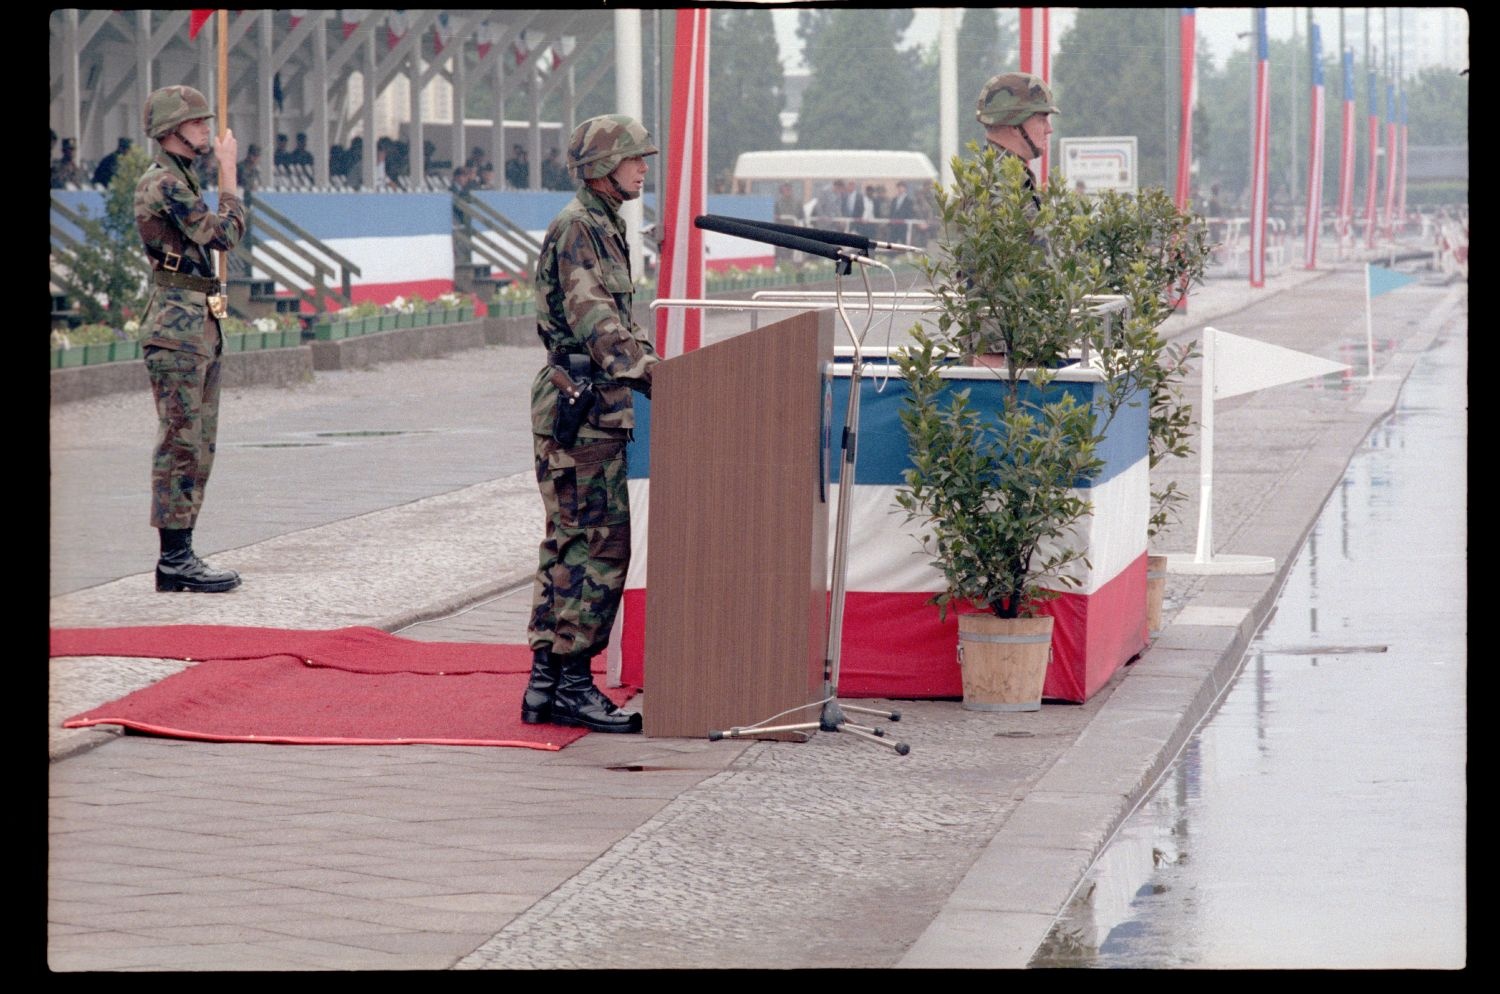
(182, 281)
(559, 357)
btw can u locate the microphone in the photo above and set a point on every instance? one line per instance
(861, 242)
(741, 228)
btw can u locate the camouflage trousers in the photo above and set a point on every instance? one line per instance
(586, 549)
(186, 388)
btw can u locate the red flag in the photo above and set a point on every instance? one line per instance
(351, 20)
(1315, 154)
(196, 20)
(1260, 154)
(397, 22)
(1401, 203)
(1392, 157)
(296, 14)
(680, 275)
(1187, 42)
(1036, 58)
(1346, 152)
(442, 34)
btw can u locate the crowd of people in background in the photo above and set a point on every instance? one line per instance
(291, 158)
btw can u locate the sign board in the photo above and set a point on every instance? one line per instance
(1099, 164)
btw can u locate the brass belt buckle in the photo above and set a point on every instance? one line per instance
(171, 262)
(218, 305)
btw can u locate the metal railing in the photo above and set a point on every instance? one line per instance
(293, 258)
(481, 231)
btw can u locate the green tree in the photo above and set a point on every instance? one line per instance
(746, 91)
(109, 268)
(987, 45)
(1111, 76)
(862, 84)
(1437, 108)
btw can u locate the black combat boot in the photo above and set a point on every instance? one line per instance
(179, 569)
(536, 705)
(580, 704)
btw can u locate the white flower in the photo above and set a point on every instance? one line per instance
(265, 324)
(132, 326)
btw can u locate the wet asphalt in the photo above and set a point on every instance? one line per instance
(400, 496)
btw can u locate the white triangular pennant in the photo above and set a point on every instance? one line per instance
(1244, 365)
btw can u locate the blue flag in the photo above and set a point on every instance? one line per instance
(1384, 280)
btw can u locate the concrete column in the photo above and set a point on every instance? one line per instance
(629, 99)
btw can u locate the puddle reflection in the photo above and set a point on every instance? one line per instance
(1317, 820)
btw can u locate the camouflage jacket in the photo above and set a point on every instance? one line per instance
(583, 295)
(1030, 184)
(173, 220)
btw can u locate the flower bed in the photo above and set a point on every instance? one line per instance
(94, 344)
(403, 312)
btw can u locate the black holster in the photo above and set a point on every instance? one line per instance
(573, 376)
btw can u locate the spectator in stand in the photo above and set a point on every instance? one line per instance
(476, 158)
(248, 171)
(788, 209)
(854, 203)
(354, 161)
(281, 157)
(300, 156)
(831, 201)
(903, 209)
(65, 171)
(517, 169)
(110, 163)
(486, 179)
(554, 173)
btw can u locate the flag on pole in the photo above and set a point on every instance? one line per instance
(1401, 195)
(351, 20)
(678, 329)
(1372, 174)
(397, 23)
(296, 14)
(196, 20)
(442, 34)
(1346, 150)
(1036, 58)
(1260, 153)
(1315, 153)
(1383, 280)
(1390, 159)
(484, 37)
(1187, 63)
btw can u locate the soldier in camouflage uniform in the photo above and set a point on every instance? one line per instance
(596, 355)
(182, 343)
(1015, 109)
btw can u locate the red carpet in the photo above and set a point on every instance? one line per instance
(347, 686)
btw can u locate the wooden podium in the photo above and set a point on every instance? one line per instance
(737, 567)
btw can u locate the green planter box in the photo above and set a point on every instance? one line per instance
(124, 351)
(386, 322)
(465, 314)
(404, 320)
(249, 342)
(450, 315)
(420, 319)
(93, 355)
(368, 326)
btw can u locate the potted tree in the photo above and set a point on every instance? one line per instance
(1152, 253)
(993, 491)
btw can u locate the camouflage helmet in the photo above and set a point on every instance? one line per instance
(600, 144)
(1012, 97)
(170, 106)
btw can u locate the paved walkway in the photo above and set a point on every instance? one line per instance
(401, 497)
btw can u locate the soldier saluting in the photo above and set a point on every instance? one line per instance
(581, 418)
(182, 343)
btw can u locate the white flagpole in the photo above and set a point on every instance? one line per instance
(1206, 453)
(1369, 331)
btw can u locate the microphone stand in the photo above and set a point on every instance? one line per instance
(832, 717)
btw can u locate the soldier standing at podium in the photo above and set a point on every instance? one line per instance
(582, 417)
